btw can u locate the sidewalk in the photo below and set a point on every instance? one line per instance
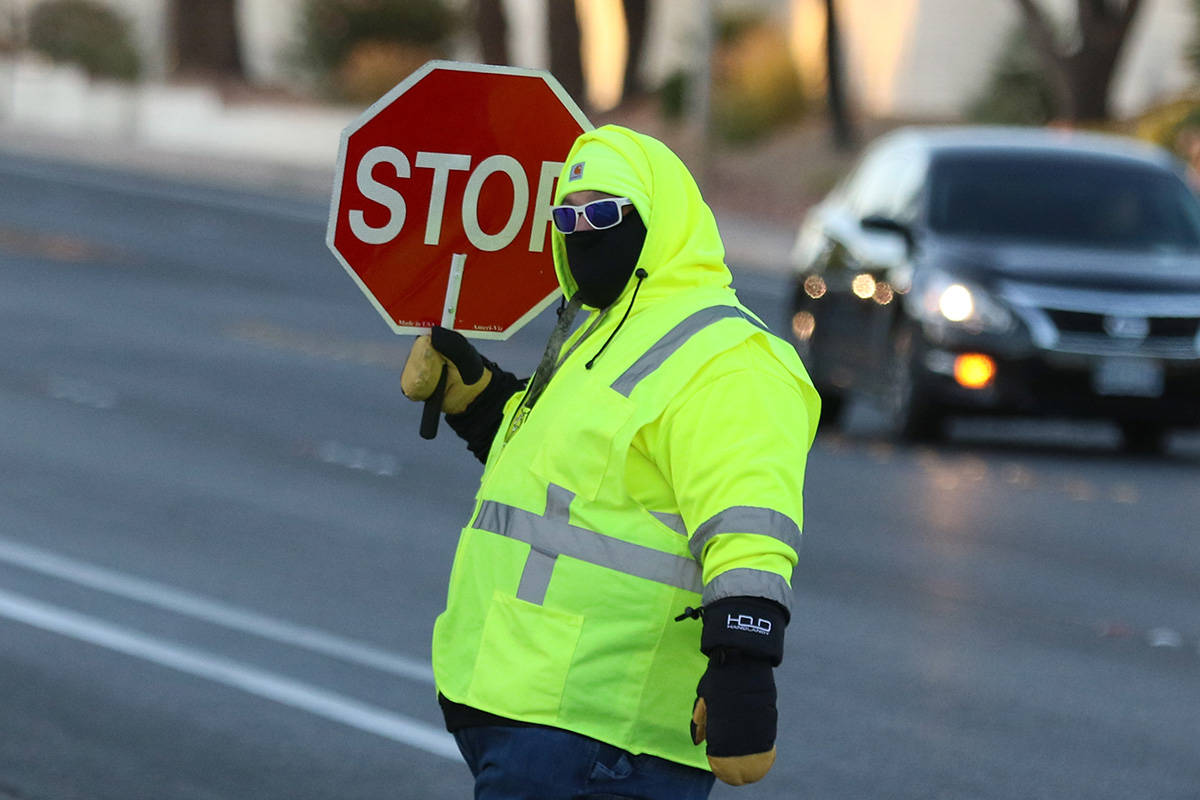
(190, 133)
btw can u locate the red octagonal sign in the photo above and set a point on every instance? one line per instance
(441, 204)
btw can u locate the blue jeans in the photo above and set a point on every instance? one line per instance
(518, 763)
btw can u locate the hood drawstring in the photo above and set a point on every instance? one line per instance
(641, 276)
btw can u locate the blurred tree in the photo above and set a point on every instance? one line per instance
(566, 60)
(491, 28)
(1080, 67)
(11, 20)
(204, 39)
(636, 13)
(844, 135)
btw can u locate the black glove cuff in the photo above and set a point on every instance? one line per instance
(478, 423)
(750, 626)
(456, 347)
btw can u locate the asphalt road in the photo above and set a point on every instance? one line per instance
(222, 545)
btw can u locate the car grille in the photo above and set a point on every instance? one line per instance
(1167, 337)
(1070, 322)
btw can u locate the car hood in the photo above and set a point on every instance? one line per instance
(1068, 267)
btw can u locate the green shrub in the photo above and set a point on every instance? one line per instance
(86, 33)
(1017, 91)
(355, 47)
(1163, 123)
(1174, 125)
(756, 86)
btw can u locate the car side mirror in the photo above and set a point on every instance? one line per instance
(878, 222)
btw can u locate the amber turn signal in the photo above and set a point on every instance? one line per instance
(974, 370)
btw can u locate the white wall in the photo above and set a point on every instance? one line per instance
(948, 56)
(1153, 66)
(269, 31)
(527, 26)
(929, 58)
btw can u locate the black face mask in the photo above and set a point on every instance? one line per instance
(601, 262)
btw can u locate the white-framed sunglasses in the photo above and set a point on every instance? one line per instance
(604, 213)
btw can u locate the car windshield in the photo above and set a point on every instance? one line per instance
(1067, 200)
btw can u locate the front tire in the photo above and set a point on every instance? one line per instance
(833, 408)
(833, 401)
(1141, 437)
(912, 416)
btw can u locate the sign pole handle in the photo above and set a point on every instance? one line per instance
(433, 404)
(433, 407)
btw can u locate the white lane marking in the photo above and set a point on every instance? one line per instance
(358, 458)
(81, 392)
(1164, 637)
(165, 597)
(260, 683)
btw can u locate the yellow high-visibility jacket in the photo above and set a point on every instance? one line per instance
(668, 474)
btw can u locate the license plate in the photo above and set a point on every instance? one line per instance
(1128, 377)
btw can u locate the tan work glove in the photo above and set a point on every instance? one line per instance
(735, 700)
(741, 748)
(466, 375)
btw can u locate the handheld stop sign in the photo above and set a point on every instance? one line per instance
(442, 195)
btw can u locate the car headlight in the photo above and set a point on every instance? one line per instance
(946, 299)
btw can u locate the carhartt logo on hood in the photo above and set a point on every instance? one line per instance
(576, 172)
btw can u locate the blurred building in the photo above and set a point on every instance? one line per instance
(266, 27)
(928, 58)
(921, 59)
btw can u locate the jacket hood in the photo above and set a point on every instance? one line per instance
(683, 248)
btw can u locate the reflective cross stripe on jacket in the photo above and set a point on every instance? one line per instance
(551, 535)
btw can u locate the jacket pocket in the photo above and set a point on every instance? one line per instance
(525, 652)
(582, 442)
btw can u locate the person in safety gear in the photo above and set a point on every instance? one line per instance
(627, 565)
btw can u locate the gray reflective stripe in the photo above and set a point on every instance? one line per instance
(749, 582)
(558, 502)
(535, 578)
(661, 350)
(557, 537)
(672, 521)
(746, 519)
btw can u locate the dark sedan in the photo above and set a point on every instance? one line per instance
(1006, 271)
